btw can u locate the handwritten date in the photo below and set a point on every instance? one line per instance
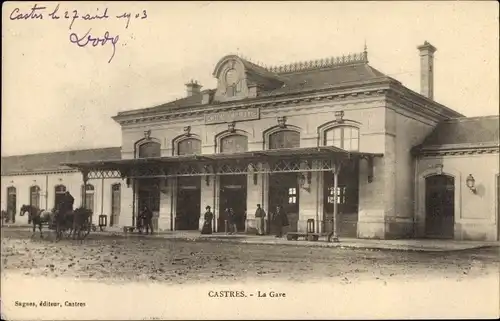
(37, 12)
(88, 39)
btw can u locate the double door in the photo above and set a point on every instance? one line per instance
(440, 206)
(233, 194)
(188, 203)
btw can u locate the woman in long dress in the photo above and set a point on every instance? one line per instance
(207, 221)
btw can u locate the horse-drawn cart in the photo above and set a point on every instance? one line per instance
(77, 224)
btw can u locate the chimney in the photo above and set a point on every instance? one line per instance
(427, 69)
(193, 88)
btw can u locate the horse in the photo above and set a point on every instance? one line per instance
(36, 216)
(75, 221)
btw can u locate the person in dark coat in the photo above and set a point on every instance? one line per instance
(207, 221)
(280, 219)
(260, 216)
(67, 203)
(232, 219)
(147, 216)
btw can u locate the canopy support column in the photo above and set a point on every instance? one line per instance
(85, 176)
(134, 221)
(333, 236)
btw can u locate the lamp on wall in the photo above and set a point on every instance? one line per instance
(471, 183)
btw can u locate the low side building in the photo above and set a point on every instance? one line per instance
(40, 180)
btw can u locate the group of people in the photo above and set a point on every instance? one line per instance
(279, 220)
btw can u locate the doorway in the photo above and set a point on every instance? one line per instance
(284, 191)
(439, 206)
(233, 194)
(115, 204)
(149, 195)
(11, 204)
(347, 200)
(188, 207)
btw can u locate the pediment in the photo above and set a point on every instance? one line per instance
(238, 79)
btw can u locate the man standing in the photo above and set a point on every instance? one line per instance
(147, 214)
(69, 201)
(280, 219)
(260, 216)
(232, 221)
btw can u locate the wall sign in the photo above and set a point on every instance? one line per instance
(233, 115)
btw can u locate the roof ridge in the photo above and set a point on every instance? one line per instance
(322, 63)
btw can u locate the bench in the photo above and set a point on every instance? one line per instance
(128, 229)
(307, 236)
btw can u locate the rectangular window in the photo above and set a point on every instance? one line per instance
(292, 195)
(341, 195)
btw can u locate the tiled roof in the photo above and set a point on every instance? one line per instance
(324, 78)
(464, 132)
(51, 161)
(306, 80)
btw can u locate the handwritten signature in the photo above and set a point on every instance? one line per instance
(94, 41)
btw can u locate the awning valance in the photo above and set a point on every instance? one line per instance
(263, 161)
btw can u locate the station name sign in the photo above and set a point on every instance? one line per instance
(233, 115)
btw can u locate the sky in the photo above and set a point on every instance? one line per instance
(57, 95)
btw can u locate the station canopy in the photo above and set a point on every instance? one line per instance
(284, 160)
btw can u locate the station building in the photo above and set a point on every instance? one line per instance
(334, 141)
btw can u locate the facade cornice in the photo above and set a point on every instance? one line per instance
(338, 93)
(456, 150)
(41, 172)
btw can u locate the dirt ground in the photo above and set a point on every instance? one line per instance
(180, 261)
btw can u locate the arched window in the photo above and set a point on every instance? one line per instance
(59, 191)
(149, 149)
(345, 137)
(189, 146)
(35, 196)
(284, 139)
(88, 196)
(234, 144)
